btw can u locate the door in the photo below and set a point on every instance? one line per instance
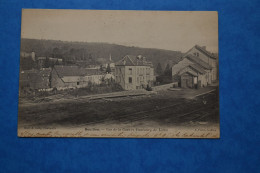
(184, 83)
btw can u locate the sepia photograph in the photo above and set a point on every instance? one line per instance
(119, 74)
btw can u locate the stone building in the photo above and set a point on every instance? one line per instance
(198, 68)
(209, 58)
(63, 77)
(35, 79)
(134, 72)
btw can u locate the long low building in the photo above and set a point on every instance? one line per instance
(74, 77)
(61, 77)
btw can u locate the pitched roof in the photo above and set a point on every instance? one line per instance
(126, 61)
(45, 72)
(198, 61)
(189, 72)
(89, 72)
(41, 58)
(36, 78)
(75, 71)
(203, 50)
(131, 60)
(197, 68)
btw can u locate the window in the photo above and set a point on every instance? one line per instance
(130, 71)
(196, 54)
(77, 83)
(130, 79)
(147, 71)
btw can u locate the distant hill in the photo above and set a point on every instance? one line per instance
(97, 52)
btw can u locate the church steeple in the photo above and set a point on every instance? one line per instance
(110, 58)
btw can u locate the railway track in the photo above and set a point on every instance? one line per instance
(133, 117)
(126, 117)
(177, 110)
(141, 115)
(174, 113)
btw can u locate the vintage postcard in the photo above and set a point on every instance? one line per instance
(119, 74)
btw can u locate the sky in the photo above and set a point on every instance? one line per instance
(170, 30)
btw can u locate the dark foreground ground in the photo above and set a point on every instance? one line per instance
(165, 108)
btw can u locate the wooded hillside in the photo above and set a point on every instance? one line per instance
(97, 52)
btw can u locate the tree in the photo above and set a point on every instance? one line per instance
(108, 70)
(55, 52)
(101, 67)
(167, 71)
(47, 63)
(159, 69)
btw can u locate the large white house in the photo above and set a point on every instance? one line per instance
(134, 72)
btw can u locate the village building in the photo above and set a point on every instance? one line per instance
(55, 60)
(47, 61)
(41, 62)
(27, 61)
(206, 56)
(63, 77)
(134, 72)
(198, 68)
(30, 55)
(109, 76)
(93, 67)
(35, 79)
(60, 77)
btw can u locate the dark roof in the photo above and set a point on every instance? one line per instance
(207, 53)
(45, 72)
(36, 78)
(198, 61)
(131, 60)
(75, 71)
(29, 74)
(189, 72)
(92, 72)
(197, 68)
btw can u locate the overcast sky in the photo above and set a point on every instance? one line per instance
(150, 29)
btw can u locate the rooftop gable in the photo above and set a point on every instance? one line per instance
(75, 71)
(131, 60)
(197, 68)
(205, 52)
(198, 61)
(193, 73)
